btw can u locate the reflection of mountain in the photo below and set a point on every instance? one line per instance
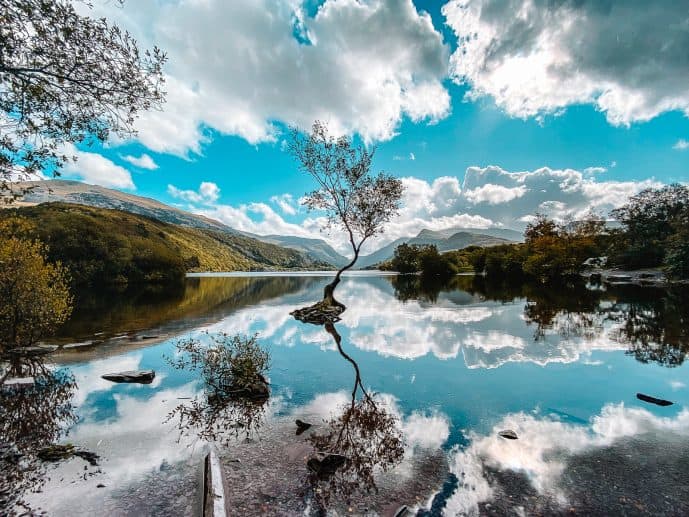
(446, 240)
(114, 316)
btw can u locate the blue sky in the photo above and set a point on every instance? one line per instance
(489, 115)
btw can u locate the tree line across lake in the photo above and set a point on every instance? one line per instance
(653, 232)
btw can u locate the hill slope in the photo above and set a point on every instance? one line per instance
(80, 193)
(110, 246)
(444, 241)
(317, 249)
(92, 195)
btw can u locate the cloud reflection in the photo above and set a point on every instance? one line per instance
(544, 448)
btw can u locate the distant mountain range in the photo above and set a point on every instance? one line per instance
(445, 240)
(110, 246)
(312, 251)
(315, 250)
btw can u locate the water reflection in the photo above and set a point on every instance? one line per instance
(101, 315)
(35, 412)
(425, 366)
(364, 437)
(556, 463)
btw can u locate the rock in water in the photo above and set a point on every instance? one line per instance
(325, 465)
(140, 376)
(302, 426)
(509, 434)
(653, 400)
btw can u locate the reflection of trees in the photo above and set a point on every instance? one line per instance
(364, 437)
(652, 323)
(417, 287)
(571, 311)
(214, 418)
(32, 416)
(655, 324)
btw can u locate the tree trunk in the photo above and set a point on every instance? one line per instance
(329, 290)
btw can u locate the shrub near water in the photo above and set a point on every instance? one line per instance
(34, 294)
(230, 365)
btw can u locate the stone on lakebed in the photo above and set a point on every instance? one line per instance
(509, 434)
(139, 376)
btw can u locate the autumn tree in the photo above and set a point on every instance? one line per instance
(66, 78)
(34, 294)
(353, 199)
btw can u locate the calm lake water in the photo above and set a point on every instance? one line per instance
(453, 365)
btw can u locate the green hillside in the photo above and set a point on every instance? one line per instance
(104, 246)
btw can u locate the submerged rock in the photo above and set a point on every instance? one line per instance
(138, 376)
(403, 511)
(509, 434)
(302, 426)
(59, 452)
(325, 465)
(653, 400)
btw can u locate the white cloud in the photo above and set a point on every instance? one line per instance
(677, 385)
(535, 57)
(681, 145)
(237, 66)
(207, 194)
(486, 197)
(494, 194)
(96, 169)
(286, 203)
(143, 162)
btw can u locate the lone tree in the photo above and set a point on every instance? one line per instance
(352, 199)
(66, 78)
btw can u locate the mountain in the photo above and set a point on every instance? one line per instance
(501, 233)
(317, 249)
(93, 195)
(102, 246)
(445, 240)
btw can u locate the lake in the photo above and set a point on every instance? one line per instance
(450, 366)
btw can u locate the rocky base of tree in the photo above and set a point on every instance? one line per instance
(319, 313)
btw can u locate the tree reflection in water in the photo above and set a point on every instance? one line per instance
(33, 416)
(655, 323)
(219, 419)
(361, 440)
(652, 323)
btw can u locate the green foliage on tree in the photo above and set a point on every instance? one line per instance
(405, 259)
(66, 78)
(655, 230)
(34, 293)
